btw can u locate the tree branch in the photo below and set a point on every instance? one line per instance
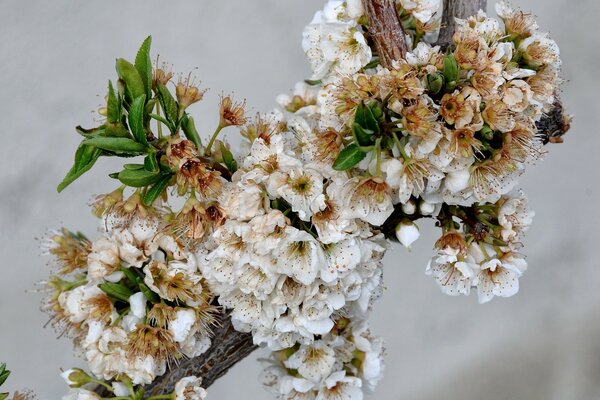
(385, 30)
(228, 348)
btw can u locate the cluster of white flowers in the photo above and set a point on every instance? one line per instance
(138, 302)
(341, 365)
(494, 266)
(296, 249)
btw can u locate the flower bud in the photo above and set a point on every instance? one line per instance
(409, 207)
(76, 377)
(451, 70)
(407, 233)
(435, 82)
(487, 133)
(426, 208)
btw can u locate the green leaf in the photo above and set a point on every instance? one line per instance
(359, 115)
(88, 133)
(313, 82)
(131, 275)
(163, 120)
(134, 86)
(156, 190)
(115, 130)
(117, 145)
(168, 103)
(348, 158)
(362, 136)
(138, 177)
(228, 159)
(150, 162)
(113, 105)
(371, 121)
(116, 290)
(150, 295)
(4, 373)
(133, 167)
(143, 64)
(189, 129)
(136, 120)
(85, 158)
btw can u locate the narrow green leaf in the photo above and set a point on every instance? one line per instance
(117, 145)
(134, 86)
(150, 162)
(150, 295)
(4, 396)
(114, 175)
(116, 290)
(371, 121)
(85, 158)
(136, 120)
(138, 177)
(168, 103)
(163, 120)
(359, 115)
(228, 159)
(143, 64)
(88, 133)
(348, 158)
(313, 82)
(113, 105)
(189, 129)
(114, 130)
(4, 373)
(362, 136)
(131, 275)
(156, 190)
(133, 167)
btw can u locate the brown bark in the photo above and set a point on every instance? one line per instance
(229, 346)
(457, 9)
(385, 30)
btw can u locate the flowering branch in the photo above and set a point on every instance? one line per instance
(284, 240)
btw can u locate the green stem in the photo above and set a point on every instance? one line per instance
(400, 147)
(212, 139)
(162, 396)
(103, 384)
(158, 124)
(378, 173)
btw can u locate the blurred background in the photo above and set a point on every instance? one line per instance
(55, 59)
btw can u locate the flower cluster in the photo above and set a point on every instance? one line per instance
(295, 250)
(134, 299)
(343, 364)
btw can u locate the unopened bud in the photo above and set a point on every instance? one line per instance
(407, 233)
(426, 208)
(487, 133)
(76, 377)
(451, 69)
(409, 207)
(435, 82)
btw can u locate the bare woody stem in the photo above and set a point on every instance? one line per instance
(462, 9)
(385, 30)
(229, 346)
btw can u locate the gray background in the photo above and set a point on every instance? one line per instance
(56, 56)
